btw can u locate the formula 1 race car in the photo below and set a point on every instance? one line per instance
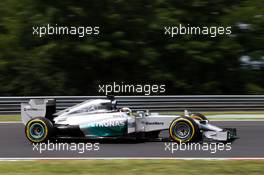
(100, 118)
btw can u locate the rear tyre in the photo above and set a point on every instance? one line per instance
(184, 129)
(38, 130)
(198, 116)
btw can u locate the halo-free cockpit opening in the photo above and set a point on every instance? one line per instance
(90, 106)
(101, 107)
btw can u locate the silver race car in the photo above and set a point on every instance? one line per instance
(100, 118)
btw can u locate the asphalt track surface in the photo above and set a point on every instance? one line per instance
(250, 144)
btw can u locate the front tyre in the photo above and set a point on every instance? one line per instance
(183, 129)
(38, 129)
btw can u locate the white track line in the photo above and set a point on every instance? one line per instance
(246, 116)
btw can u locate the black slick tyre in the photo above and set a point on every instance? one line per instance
(183, 130)
(38, 129)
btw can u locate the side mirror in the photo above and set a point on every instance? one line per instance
(186, 113)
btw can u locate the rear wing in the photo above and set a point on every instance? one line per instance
(38, 108)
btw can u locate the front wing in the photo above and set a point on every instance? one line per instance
(226, 135)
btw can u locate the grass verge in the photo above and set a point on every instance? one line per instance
(129, 167)
(10, 118)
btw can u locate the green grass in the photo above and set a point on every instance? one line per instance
(8, 118)
(129, 167)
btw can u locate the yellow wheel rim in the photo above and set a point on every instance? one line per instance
(28, 134)
(176, 138)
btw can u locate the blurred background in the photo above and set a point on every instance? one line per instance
(131, 47)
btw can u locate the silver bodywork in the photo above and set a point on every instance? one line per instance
(97, 113)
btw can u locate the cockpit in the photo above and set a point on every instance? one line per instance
(102, 107)
(90, 106)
